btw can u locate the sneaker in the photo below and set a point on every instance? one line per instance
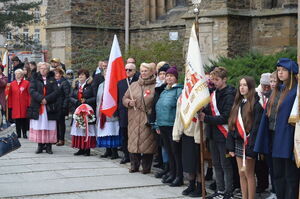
(217, 195)
(272, 196)
(228, 195)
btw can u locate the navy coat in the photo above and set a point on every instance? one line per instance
(282, 144)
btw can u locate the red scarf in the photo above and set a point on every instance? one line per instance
(42, 107)
(80, 93)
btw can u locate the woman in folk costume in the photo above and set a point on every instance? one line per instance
(276, 136)
(243, 124)
(43, 108)
(19, 101)
(83, 93)
(107, 127)
(141, 140)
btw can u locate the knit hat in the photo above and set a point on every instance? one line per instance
(289, 64)
(265, 79)
(165, 67)
(173, 70)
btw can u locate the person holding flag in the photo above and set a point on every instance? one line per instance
(216, 115)
(139, 101)
(243, 122)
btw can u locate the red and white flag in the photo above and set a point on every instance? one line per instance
(115, 72)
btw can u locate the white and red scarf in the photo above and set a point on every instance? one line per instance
(242, 133)
(215, 112)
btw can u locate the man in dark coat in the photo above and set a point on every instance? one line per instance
(17, 65)
(64, 99)
(122, 110)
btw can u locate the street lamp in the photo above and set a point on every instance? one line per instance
(196, 11)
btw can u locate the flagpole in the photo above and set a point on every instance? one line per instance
(196, 10)
(130, 92)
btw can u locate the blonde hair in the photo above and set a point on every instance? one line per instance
(43, 64)
(160, 64)
(148, 66)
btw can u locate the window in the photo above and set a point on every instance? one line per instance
(25, 34)
(9, 36)
(37, 16)
(36, 36)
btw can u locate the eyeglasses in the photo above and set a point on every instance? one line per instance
(129, 70)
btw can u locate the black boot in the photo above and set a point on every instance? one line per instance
(163, 172)
(39, 149)
(87, 152)
(177, 182)
(209, 174)
(189, 189)
(49, 148)
(19, 134)
(107, 153)
(79, 152)
(197, 192)
(170, 179)
(24, 135)
(114, 153)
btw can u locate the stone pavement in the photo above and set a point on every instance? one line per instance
(26, 175)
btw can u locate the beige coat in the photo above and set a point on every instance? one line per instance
(141, 139)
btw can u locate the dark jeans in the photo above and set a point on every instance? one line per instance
(145, 159)
(21, 125)
(124, 133)
(286, 178)
(222, 166)
(173, 149)
(61, 127)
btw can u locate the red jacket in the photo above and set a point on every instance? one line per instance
(19, 98)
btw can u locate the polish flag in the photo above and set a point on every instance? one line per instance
(115, 72)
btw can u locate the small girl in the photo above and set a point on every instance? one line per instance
(243, 123)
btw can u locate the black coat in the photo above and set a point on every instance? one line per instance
(88, 95)
(234, 135)
(37, 95)
(122, 110)
(64, 98)
(225, 99)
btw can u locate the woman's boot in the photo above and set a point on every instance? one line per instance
(114, 153)
(209, 174)
(24, 135)
(39, 149)
(49, 148)
(197, 192)
(87, 152)
(79, 152)
(190, 188)
(107, 153)
(163, 172)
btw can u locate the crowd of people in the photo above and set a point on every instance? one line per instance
(247, 134)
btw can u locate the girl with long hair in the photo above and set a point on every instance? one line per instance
(276, 134)
(243, 124)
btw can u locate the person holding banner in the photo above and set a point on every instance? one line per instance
(243, 124)
(139, 99)
(216, 115)
(276, 135)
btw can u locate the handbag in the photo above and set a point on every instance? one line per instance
(148, 123)
(9, 144)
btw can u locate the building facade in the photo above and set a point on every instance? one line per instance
(227, 27)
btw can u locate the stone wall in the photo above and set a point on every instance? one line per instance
(108, 13)
(273, 34)
(58, 11)
(238, 35)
